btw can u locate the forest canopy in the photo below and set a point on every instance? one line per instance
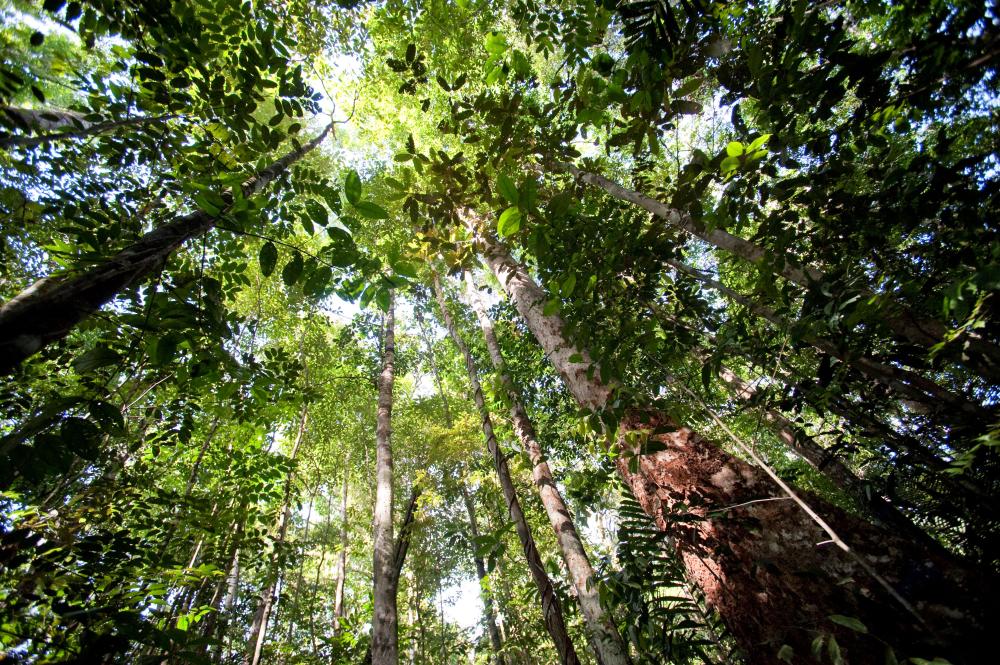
(615, 332)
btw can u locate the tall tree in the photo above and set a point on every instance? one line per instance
(385, 638)
(51, 307)
(726, 524)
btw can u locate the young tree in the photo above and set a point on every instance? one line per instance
(551, 608)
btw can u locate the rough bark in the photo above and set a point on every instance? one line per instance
(551, 609)
(258, 630)
(978, 354)
(827, 463)
(604, 637)
(491, 619)
(50, 308)
(905, 383)
(761, 561)
(385, 638)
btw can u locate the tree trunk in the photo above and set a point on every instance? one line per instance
(258, 630)
(826, 462)
(385, 638)
(906, 324)
(338, 598)
(551, 610)
(399, 556)
(50, 308)
(491, 619)
(59, 124)
(604, 637)
(761, 561)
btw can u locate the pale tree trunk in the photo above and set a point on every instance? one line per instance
(59, 124)
(491, 621)
(402, 546)
(258, 630)
(50, 308)
(905, 383)
(551, 609)
(769, 569)
(604, 637)
(338, 597)
(904, 323)
(385, 638)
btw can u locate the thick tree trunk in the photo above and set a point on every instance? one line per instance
(904, 323)
(399, 556)
(905, 383)
(258, 630)
(761, 561)
(50, 308)
(604, 637)
(551, 610)
(827, 463)
(491, 618)
(385, 638)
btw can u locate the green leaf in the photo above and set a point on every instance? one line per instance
(551, 307)
(729, 164)
(785, 653)
(108, 417)
(352, 187)
(566, 289)
(507, 188)
(371, 210)
(166, 349)
(734, 148)
(317, 212)
(576, 358)
(382, 299)
(292, 270)
(833, 650)
(405, 269)
(268, 258)
(496, 44)
(317, 281)
(81, 437)
(848, 622)
(99, 356)
(510, 222)
(758, 142)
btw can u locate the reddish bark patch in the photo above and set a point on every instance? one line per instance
(765, 565)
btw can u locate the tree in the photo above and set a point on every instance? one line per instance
(746, 331)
